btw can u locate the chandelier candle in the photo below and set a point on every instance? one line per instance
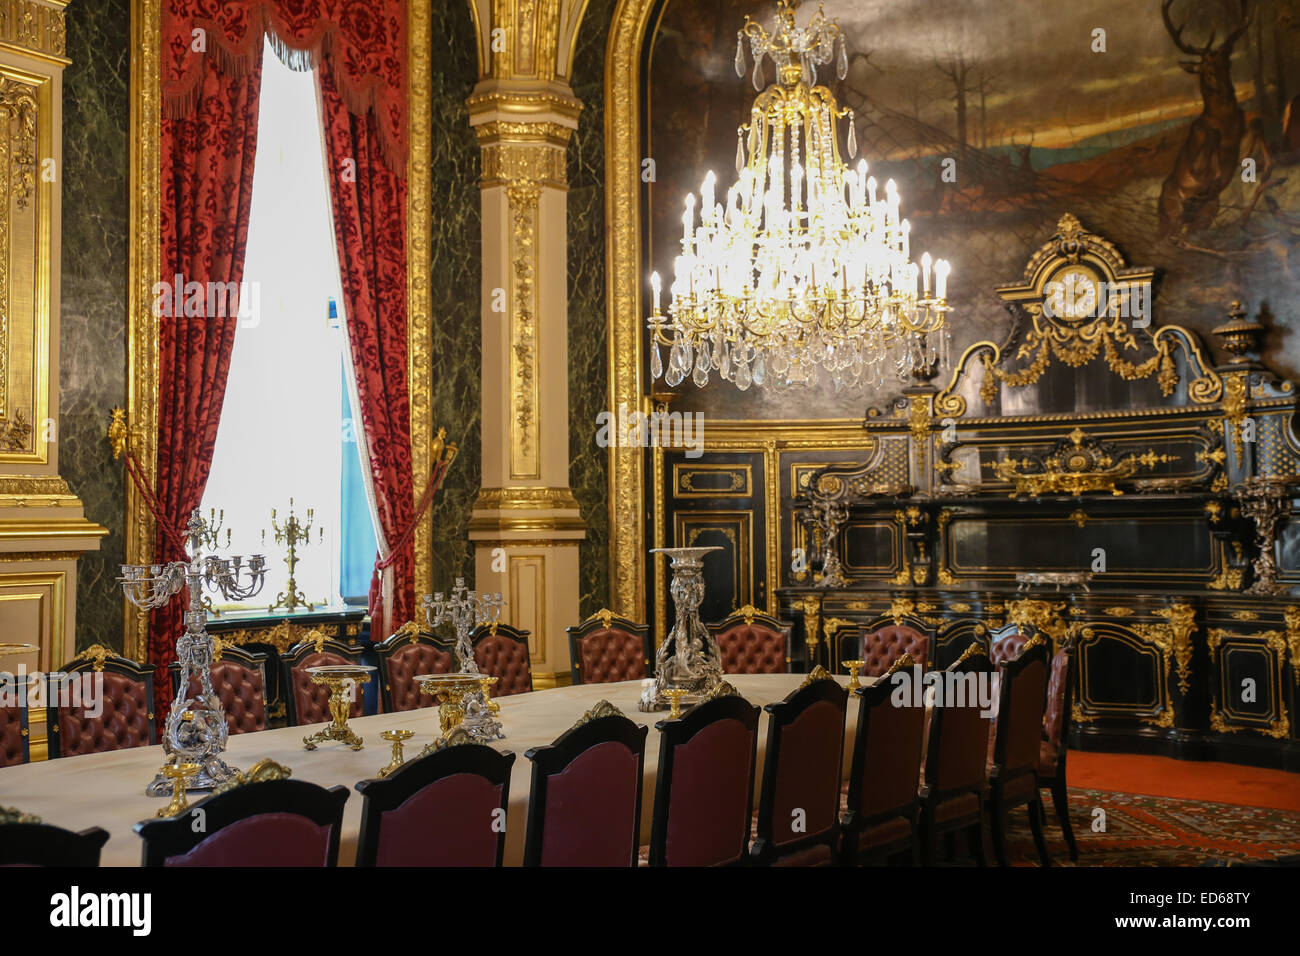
(803, 270)
(196, 727)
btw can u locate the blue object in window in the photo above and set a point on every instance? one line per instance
(357, 547)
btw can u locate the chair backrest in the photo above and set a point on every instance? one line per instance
(1005, 644)
(403, 656)
(606, 649)
(239, 681)
(444, 809)
(704, 790)
(957, 752)
(309, 702)
(884, 645)
(502, 651)
(273, 823)
(887, 750)
(799, 806)
(1058, 716)
(1023, 696)
(585, 805)
(752, 642)
(14, 733)
(26, 841)
(78, 722)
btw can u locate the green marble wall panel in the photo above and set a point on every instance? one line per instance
(588, 371)
(92, 367)
(454, 276)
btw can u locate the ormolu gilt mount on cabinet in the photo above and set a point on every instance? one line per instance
(1093, 442)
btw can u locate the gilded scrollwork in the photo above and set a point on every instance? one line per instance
(1182, 623)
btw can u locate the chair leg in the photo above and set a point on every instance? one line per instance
(1061, 801)
(950, 845)
(1036, 825)
(998, 823)
(975, 837)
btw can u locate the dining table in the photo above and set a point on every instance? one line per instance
(107, 789)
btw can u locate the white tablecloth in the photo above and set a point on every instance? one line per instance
(107, 790)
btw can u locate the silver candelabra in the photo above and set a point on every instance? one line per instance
(689, 660)
(464, 611)
(196, 726)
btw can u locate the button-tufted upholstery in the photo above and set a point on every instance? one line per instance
(1054, 716)
(126, 720)
(606, 648)
(883, 646)
(754, 649)
(13, 727)
(403, 665)
(1007, 648)
(608, 655)
(241, 692)
(312, 700)
(503, 654)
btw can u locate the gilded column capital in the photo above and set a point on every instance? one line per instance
(523, 130)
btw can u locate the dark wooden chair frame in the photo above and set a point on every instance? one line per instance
(749, 616)
(674, 733)
(253, 660)
(929, 798)
(112, 664)
(303, 649)
(395, 642)
(175, 836)
(1055, 782)
(999, 777)
(21, 685)
(556, 757)
(851, 823)
(599, 622)
(40, 844)
(484, 631)
(413, 776)
(763, 852)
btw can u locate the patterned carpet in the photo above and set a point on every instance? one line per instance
(1159, 831)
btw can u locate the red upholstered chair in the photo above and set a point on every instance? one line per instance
(239, 681)
(605, 649)
(14, 734)
(444, 809)
(704, 794)
(881, 647)
(1005, 644)
(307, 702)
(1056, 739)
(79, 723)
(502, 651)
(952, 794)
(26, 841)
(585, 805)
(405, 655)
(801, 777)
(879, 817)
(1017, 740)
(272, 822)
(753, 643)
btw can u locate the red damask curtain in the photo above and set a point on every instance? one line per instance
(207, 190)
(360, 46)
(369, 206)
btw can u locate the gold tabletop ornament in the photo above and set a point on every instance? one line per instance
(854, 667)
(450, 691)
(342, 680)
(177, 773)
(675, 695)
(397, 738)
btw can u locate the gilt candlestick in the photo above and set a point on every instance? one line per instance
(466, 610)
(294, 533)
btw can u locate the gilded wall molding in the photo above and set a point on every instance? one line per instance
(419, 293)
(525, 451)
(35, 28)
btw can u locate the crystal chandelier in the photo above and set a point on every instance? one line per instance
(805, 267)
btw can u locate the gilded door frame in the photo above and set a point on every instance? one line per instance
(142, 326)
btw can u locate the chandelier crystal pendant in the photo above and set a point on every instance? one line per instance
(805, 266)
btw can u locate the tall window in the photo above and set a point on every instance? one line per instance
(286, 429)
